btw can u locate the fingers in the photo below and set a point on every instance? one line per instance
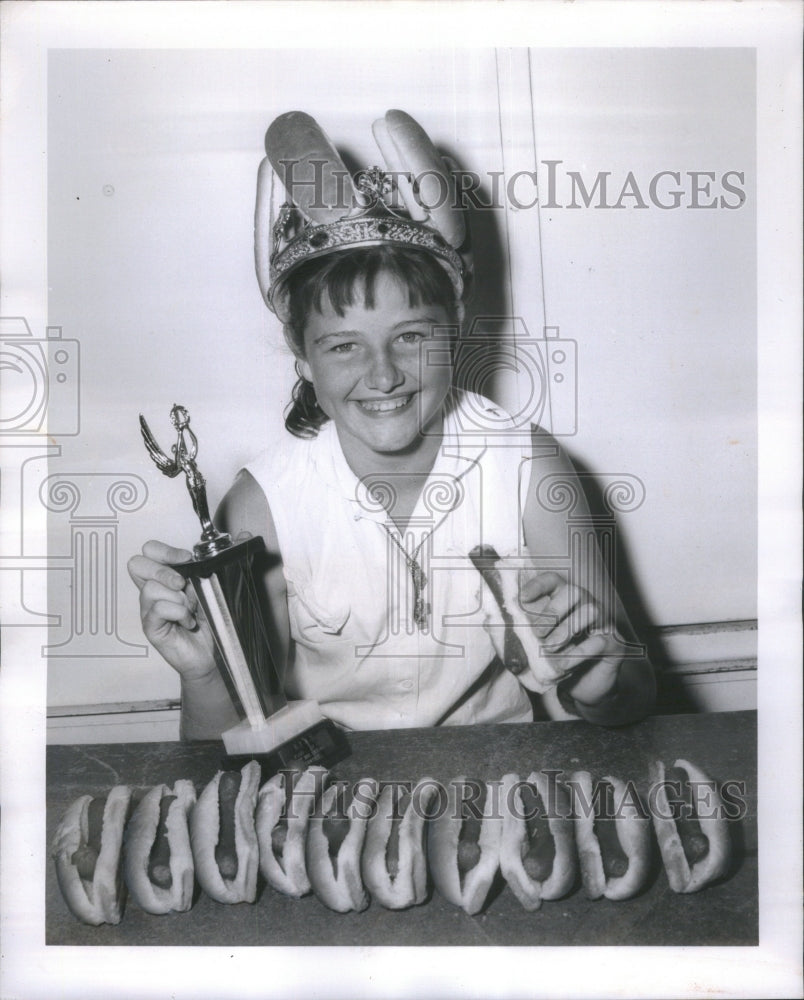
(537, 585)
(594, 674)
(153, 565)
(559, 612)
(160, 552)
(160, 605)
(172, 619)
(574, 655)
(141, 570)
(575, 615)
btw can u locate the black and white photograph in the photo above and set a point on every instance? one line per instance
(401, 499)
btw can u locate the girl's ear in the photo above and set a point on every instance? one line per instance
(304, 369)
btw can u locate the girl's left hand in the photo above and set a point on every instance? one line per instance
(574, 634)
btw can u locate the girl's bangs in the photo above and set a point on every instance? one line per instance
(350, 277)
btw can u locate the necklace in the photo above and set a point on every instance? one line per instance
(421, 607)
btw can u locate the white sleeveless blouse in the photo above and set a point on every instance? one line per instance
(387, 628)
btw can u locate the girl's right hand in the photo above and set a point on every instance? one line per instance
(171, 619)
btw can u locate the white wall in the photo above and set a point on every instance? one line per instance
(152, 164)
(663, 306)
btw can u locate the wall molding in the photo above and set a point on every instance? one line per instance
(705, 647)
(715, 662)
(114, 708)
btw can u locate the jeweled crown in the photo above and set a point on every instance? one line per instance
(309, 205)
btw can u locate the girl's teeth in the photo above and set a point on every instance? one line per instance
(381, 405)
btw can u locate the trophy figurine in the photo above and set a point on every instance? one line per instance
(227, 579)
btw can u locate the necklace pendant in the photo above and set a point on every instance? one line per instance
(421, 612)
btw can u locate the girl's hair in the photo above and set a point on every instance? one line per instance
(347, 277)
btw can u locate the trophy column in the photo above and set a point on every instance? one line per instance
(228, 588)
(228, 581)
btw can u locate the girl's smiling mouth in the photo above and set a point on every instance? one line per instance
(389, 405)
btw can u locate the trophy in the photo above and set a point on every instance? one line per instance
(227, 579)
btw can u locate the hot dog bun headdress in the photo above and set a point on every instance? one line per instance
(309, 205)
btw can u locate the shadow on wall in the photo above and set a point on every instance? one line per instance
(489, 323)
(671, 697)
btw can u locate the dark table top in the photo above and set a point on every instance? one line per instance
(723, 745)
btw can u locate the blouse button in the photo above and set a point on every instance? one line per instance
(406, 685)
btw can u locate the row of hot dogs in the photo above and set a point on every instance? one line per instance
(306, 832)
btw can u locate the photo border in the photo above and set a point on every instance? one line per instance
(32, 970)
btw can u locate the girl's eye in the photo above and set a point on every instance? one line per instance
(411, 337)
(344, 348)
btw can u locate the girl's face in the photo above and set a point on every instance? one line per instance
(371, 376)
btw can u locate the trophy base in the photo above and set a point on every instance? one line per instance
(295, 737)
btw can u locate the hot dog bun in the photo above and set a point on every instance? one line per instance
(514, 847)
(407, 148)
(510, 629)
(334, 868)
(470, 890)
(633, 833)
(286, 869)
(205, 827)
(99, 899)
(682, 876)
(141, 833)
(394, 863)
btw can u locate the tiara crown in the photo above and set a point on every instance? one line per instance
(308, 204)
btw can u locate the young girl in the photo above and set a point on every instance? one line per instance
(374, 503)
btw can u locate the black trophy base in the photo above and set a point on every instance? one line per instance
(323, 744)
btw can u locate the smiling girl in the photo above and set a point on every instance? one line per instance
(373, 504)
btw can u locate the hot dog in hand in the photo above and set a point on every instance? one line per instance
(283, 810)
(394, 864)
(335, 837)
(511, 630)
(223, 836)
(87, 851)
(694, 843)
(158, 862)
(537, 854)
(613, 837)
(464, 845)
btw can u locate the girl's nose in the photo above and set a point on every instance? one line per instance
(383, 375)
